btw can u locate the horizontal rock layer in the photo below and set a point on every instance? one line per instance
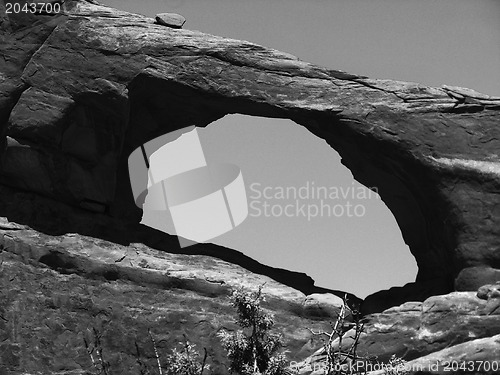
(461, 328)
(80, 90)
(55, 290)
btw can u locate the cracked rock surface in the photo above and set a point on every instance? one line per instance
(55, 290)
(457, 327)
(82, 89)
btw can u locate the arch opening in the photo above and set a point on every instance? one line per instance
(158, 107)
(155, 107)
(306, 212)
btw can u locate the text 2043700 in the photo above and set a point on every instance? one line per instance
(33, 8)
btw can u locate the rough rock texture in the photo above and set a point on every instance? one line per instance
(489, 291)
(479, 356)
(171, 20)
(81, 90)
(56, 218)
(54, 290)
(326, 305)
(421, 332)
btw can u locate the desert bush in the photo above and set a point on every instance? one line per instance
(253, 349)
(187, 361)
(397, 366)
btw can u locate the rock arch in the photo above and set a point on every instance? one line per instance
(83, 89)
(359, 232)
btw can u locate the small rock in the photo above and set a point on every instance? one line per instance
(489, 291)
(171, 20)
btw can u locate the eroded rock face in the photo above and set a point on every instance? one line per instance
(456, 327)
(479, 356)
(56, 218)
(55, 290)
(489, 291)
(324, 305)
(79, 91)
(173, 20)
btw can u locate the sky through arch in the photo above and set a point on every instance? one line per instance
(306, 212)
(452, 42)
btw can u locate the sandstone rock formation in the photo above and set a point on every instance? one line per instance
(173, 20)
(80, 90)
(55, 290)
(457, 327)
(325, 305)
(489, 291)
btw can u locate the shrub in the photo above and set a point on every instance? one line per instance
(253, 349)
(397, 366)
(185, 362)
